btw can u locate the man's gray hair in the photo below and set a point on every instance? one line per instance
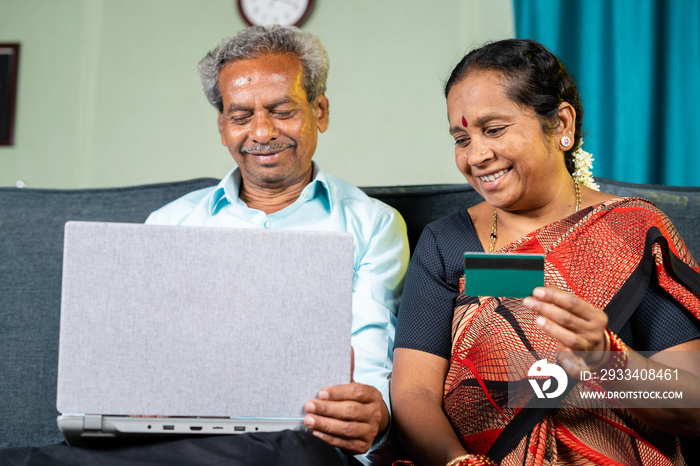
(258, 41)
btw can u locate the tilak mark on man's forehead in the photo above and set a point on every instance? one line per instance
(464, 122)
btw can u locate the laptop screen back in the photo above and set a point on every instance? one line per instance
(197, 321)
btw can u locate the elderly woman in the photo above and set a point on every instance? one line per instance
(618, 278)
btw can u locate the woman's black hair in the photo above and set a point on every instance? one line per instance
(534, 78)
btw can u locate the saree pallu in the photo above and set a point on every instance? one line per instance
(592, 254)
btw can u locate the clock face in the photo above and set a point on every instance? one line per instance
(283, 12)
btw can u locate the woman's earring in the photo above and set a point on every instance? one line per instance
(566, 141)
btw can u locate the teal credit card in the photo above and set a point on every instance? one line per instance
(502, 275)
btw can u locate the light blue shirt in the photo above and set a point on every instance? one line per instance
(330, 204)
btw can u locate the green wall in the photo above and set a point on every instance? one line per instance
(109, 95)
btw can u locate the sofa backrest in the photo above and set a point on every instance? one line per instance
(31, 251)
(422, 204)
(31, 248)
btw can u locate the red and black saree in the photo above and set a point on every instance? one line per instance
(606, 255)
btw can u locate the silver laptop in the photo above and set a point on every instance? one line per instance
(173, 330)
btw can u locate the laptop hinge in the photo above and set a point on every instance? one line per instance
(92, 422)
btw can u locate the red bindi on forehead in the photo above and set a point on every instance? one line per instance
(464, 122)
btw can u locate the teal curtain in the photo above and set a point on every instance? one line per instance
(637, 64)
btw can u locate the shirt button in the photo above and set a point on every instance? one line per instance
(268, 224)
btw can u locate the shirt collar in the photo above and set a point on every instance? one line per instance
(226, 192)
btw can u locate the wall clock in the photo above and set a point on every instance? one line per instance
(283, 12)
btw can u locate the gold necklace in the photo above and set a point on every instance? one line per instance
(494, 222)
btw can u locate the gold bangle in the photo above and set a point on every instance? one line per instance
(471, 460)
(618, 357)
(604, 359)
(455, 461)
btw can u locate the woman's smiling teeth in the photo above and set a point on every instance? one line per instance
(495, 176)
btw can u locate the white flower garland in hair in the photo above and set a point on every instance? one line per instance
(583, 163)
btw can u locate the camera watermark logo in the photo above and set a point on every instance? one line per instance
(541, 369)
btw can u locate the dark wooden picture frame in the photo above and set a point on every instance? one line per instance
(9, 64)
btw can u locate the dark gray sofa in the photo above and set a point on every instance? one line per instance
(31, 235)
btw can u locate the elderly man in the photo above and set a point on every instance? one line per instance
(268, 84)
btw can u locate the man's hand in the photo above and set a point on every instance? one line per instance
(348, 416)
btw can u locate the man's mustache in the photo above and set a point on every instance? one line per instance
(268, 147)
